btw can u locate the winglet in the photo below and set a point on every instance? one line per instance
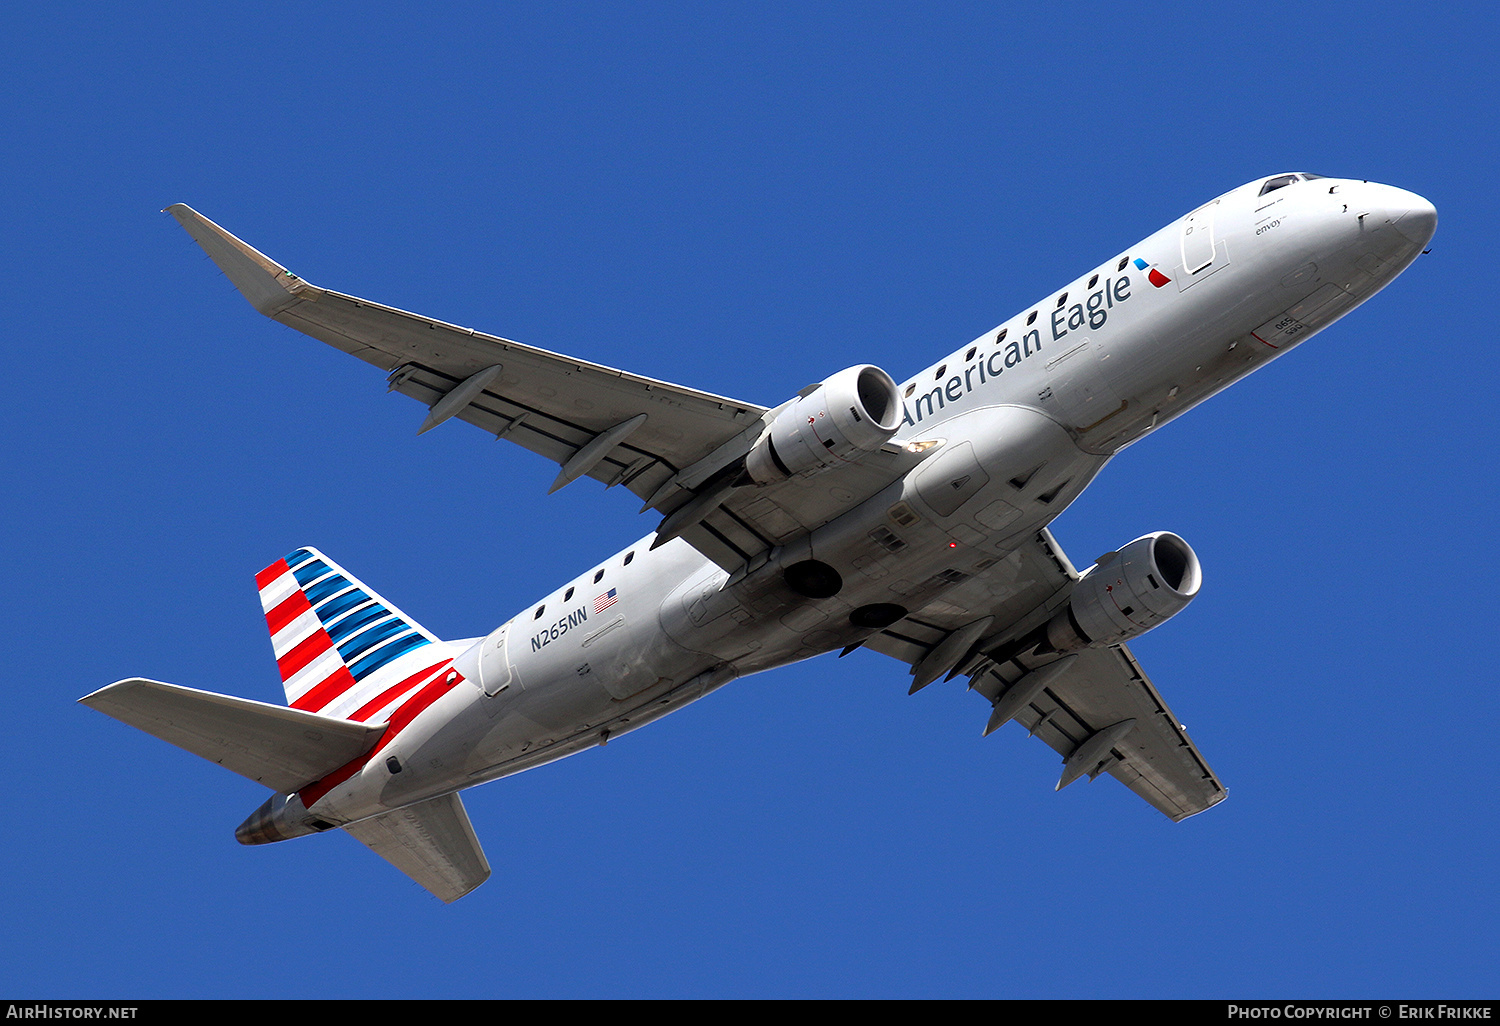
(270, 287)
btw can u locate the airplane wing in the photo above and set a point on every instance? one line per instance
(1088, 693)
(661, 441)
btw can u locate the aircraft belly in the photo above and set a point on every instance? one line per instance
(1016, 469)
(537, 718)
(1008, 471)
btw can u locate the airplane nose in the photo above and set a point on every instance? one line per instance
(1418, 218)
(1408, 213)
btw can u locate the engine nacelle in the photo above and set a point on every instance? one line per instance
(857, 410)
(1129, 592)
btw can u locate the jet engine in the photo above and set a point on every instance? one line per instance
(1127, 593)
(857, 410)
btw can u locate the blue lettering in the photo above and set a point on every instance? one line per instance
(1097, 314)
(928, 398)
(1093, 312)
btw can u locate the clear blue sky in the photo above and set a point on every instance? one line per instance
(742, 198)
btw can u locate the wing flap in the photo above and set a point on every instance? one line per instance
(432, 842)
(1157, 759)
(273, 745)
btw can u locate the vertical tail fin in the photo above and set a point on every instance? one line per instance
(343, 650)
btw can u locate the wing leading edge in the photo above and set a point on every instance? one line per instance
(595, 421)
(669, 445)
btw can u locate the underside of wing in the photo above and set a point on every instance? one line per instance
(1098, 695)
(669, 445)
(1019, 590)
(1100, 688)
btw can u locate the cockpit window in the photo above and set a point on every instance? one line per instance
(1279, 182)
(1310, 178)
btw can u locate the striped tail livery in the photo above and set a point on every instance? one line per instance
(357, 671)
(342, 649)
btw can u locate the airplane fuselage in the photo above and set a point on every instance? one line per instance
(1012, 428)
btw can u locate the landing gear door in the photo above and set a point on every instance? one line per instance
(495, 672)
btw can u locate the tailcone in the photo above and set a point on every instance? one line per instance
(281, 818)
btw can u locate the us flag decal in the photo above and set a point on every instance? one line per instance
(604, 601)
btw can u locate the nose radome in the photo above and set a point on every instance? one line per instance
(1418, 220)
(1408, 213)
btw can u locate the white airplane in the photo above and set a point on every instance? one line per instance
(910, 519)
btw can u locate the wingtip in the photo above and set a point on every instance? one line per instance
(264, 282)
(119, 685)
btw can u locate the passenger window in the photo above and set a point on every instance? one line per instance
(539, 611)
(1123, 261)
(628, 557)
(970, 354)
(1093, 281)
(1001, 337)
(1031, 317)
(568, 595)
(599, 577)
(1061, 300)
(940, 372)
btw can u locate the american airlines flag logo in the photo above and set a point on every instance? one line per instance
(604, 601)
(1154, 276)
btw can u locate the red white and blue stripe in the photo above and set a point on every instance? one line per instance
(342, 649)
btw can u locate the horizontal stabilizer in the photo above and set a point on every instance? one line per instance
(432, 842)
(285, 749)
